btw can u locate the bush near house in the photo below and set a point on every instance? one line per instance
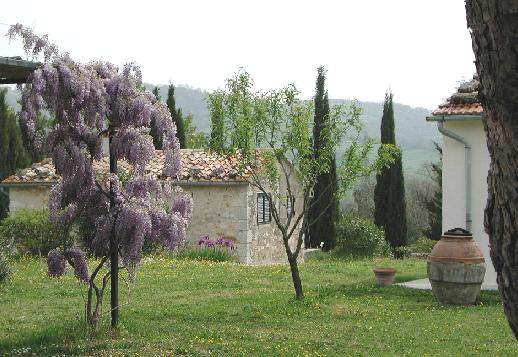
(357, 236)
(5, 269)
(30, 231)
(422, 245)
(216, 250)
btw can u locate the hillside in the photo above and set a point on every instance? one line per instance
(413, 133)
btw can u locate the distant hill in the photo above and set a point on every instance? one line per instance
(413, 133)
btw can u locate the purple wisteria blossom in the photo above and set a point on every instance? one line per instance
(78, 259)
(57, 263)
(221, 242)
(90, 102)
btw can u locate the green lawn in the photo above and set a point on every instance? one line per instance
(200, 308)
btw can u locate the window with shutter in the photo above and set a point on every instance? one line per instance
(264, 215)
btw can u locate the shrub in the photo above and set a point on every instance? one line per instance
(219, 250)
(359, 236)
(401, 252)
(422, 245)
(5, 270)
(30, 231)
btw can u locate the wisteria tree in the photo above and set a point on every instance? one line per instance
(91, 102)
(280, 122)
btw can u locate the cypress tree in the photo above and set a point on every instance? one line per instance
(389, 193)
(177, 116)
(157, 139)
(324, 205)
(12, 152)
(217, 140)
(434, 204)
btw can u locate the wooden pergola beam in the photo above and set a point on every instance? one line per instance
(14, 70)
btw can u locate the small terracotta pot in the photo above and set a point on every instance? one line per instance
(384, 276)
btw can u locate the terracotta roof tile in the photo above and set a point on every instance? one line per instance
(464, 101)
(197, 165)
(459, 109)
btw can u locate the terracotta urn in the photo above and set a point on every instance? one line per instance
(384, 276)
(456, 268)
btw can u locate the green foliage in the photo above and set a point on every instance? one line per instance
(12, 152)
(422, 245)
(157, 139)
(30, 231)
(215, 254)
(360, 237)
(217, 138)
(280, 122)
(323, 209)
(389, 194)
(194, 139)
(434, 204)
(5, 269)
(177, 116)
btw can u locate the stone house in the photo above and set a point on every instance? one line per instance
(225, 204)
(465, 166)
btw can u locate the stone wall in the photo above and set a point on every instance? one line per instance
(33, 197)
(219, 210)
(265, 240)
(227, 210)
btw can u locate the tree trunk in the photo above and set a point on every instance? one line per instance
(297, 283)
(494, 26)
(114, 251)
(92, 316)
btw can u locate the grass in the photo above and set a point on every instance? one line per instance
(207, 254)
(184, 307)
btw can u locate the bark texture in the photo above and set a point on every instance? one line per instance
(494, 32)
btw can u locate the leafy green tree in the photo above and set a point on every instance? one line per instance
(194, 138)
(278, 121)
(324, 207)
(389, 194)
(154, 132)
(12, 152)
(434, 204)
(177, 116)
(215, 103)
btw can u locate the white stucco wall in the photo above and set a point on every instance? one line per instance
(453, 177)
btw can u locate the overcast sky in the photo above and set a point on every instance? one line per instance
(420, 48)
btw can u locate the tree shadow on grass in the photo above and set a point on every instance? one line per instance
(69, 338)
(367, 289)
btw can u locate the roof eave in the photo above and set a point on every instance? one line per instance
(457, 117)
(179, 183)
(27, 184)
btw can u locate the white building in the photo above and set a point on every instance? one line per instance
(465, 166)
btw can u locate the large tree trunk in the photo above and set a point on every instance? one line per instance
(494, 26)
